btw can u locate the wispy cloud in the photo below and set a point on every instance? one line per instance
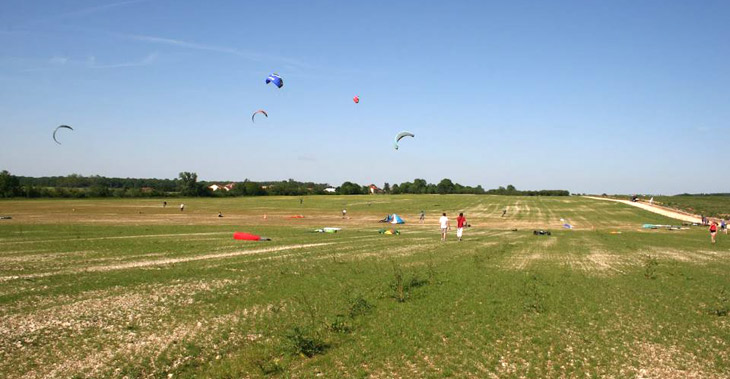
(91, 62)
(146, 61)
(58, 60)
(247, 54)
(93, 9)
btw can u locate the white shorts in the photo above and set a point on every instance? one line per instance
(444, 230)
(459, 232)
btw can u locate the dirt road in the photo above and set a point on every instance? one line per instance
(656, 209)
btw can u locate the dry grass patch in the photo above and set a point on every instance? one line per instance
(659, 361)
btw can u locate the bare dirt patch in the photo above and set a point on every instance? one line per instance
(655, 209)
(659, 361)
(697, 257)
(164, 262)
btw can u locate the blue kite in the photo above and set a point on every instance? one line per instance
(276, 79)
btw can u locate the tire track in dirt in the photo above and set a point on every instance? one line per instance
(654, 209)
(162, 262)
(118, 237)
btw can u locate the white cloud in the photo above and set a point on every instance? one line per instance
(247, 54)
(97, 8)
(91, 62)
(58, 60)
(146, 61)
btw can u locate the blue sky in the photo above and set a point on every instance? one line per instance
(589, 96)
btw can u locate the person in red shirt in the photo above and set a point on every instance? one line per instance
(460, 223)
(713, 231)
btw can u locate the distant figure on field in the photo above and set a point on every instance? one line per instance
(422, 217)
(460, 223)
(344, 213)
(301, 201)
(651, 201)
(220, 214)
(723, 226)
(164, 204)
(445, 226)
(182, 207)
(713, 231)
(504, 212)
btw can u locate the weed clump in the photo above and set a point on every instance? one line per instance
(401, 287)
(340, 325)
(534, 299)
(721, 306)
(359, 306)
(650, 266)
(304, 343)
(269, 366)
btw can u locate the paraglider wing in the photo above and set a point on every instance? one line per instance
(400, 136)
(276, 79)
(259, 111)
(56, 130)
(356, 99)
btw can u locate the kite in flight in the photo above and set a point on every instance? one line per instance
(257, 112)
(356, 99)
(56, 130)
(400, 136)
(276, 79)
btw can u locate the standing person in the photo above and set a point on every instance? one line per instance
(723, 226)
(344, 213)
(182, 207)
(460, 223)
(504, 212)
(651, 201)
(164, 204)
(422, 217)
(713, 231)
(445, 226)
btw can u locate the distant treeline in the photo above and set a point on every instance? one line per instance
(446, 186)
(187, 184)
(704, 194)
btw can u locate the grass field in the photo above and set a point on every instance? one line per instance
(128, 288)
(711, 206)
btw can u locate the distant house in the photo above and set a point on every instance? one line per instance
(330, 190)
(227, 187)
(374, 189)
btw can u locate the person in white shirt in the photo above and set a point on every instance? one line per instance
(444, 223)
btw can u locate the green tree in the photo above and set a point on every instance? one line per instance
(445, 186)
(386, 187)
(188, 184)
(349, 188)
(9, 184)
(419, 186)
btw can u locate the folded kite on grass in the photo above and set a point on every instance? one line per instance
(249, 237)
